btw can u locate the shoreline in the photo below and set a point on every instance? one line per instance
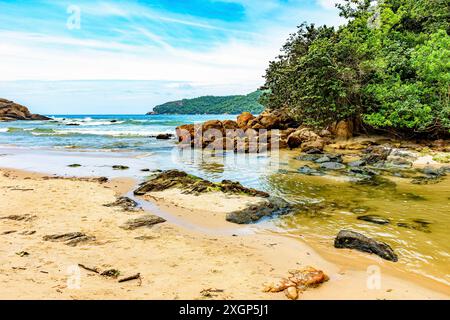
(180, 262)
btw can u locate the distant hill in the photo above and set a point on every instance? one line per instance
(213, 105)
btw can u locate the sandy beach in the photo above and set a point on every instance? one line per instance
(217, 260)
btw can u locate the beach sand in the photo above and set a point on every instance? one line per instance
(173, 260)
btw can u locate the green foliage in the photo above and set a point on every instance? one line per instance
(213, 105)
(388, 66)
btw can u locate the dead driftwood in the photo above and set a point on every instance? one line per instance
(94, 269)
(137, 276)
(111, 273)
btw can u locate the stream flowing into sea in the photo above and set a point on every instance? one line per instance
(98, 142)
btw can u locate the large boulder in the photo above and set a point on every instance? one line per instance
(300, 136)
(353, 240)
(244, 118)
(10, 111)
(269, 121)
(185, 133)
(230, 125)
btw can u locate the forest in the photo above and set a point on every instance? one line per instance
(387, 68)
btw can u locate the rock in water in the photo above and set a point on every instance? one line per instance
(353, 240)
(332, 166)
(374, 219)
(164, 136)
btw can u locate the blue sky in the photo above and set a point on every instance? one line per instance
(172, 48)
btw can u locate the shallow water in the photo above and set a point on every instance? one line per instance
(325, 205)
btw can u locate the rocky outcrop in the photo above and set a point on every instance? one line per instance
(353, 240)
(10, 111)
(263, 206)
(192, 184)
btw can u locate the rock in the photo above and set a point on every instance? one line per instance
(318, 144)
(294, 141)
(434, 172)
(125, 203)
(332, 166)
(75, 165)
(306, 170)
(309, 157)
(192, 184)
(10, 111)
(300, 136)
(230, 125)
(418, 225)
(143, 221)
(222, 144)
(291, 293)
(71, 239)
(256, 212)
(357, 163)
(120, 167)
(244, 118)
(374, 219)
(344, 130)
(185, 133)
(269, 121)
(164, 136)
(398, 162)
(353, 240)
(314, 151)
(376, 154)
(212, 125)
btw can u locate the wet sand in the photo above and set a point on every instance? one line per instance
(173, 260)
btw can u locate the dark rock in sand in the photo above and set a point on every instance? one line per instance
(374, 219)
(71, 239)
(145, 170)
(18, 217)
(353, 240)
(75, 165)
(254, 213)
(144, 221)
(332, 166)
(125, 203)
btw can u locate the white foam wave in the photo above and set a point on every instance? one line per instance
(123, 133)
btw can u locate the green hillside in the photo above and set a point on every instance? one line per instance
(213, 105)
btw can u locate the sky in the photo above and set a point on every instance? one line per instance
(88, 57)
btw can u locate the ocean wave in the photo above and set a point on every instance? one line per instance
(126, 134)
